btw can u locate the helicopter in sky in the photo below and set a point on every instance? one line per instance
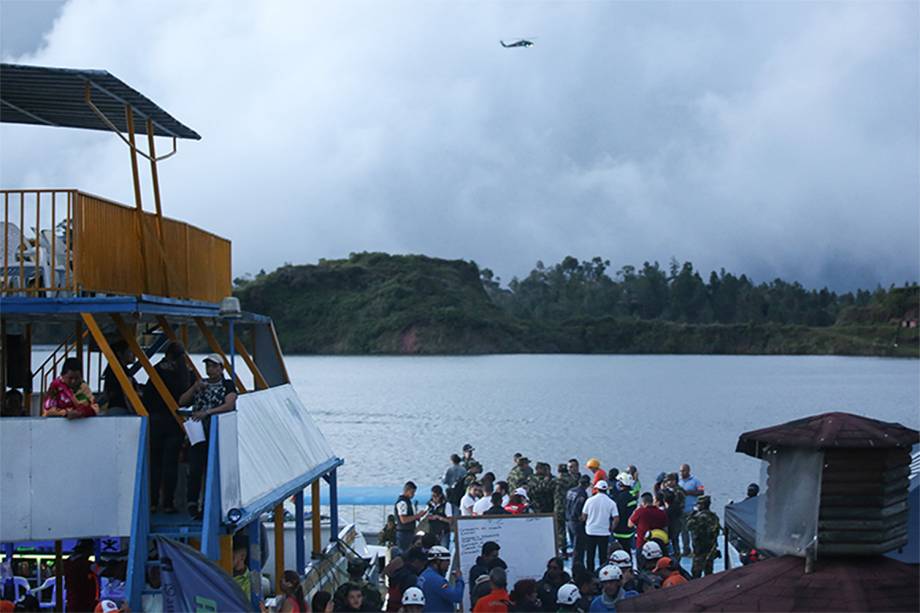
(523, 42)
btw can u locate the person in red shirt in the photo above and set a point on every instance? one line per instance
(594, 465)
(517, 504)
(68, 395)
(646, 518)
(498, 599)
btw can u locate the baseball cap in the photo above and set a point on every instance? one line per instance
(468, 447)
(106, 606)
(482, 579)
(584, 480)
(662, 564)
(520, 492)
(214, 357)
(601, 485)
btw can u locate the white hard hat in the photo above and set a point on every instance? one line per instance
(438, 553)
(413, 596)
(626, 479)
(621, 558)
(568, 594)
(651, 550)
(610, 572)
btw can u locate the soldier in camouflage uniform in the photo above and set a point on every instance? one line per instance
(563, 482)
(472, 474)
(704, 528)
(520, 475)
(541, 489)
(468, 456)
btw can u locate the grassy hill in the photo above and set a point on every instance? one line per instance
(374, 303)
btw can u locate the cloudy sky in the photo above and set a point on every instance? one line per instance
(773, 138)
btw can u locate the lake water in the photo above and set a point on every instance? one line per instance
(399, 418)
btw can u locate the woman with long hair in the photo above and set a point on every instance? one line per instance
(293, 594)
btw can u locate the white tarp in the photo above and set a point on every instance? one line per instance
(64, 478)
(269, 441)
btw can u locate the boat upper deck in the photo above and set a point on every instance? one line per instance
(68, 243)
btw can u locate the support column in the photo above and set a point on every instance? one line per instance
(123, 381)
(211, 515)
(300, 532)
(139, 207)
(279, 546)
(316, 525)
(140, 524)
(334, 505)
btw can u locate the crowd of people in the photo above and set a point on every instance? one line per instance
(618, 540)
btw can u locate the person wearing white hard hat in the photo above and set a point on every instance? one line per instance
(623, 560)
(646, 579)
(611, 579)
(626, 503)
(599, 514)
(413, 601)
(439, 594)
(567, 597)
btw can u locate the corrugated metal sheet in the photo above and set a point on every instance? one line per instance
(830, 431)
(47, 96)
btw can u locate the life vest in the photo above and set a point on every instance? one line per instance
(410, 510)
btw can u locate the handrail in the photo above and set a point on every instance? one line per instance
(94, 246)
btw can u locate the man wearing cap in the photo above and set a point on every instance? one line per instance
(212, 395)
(468, 456)
(599, 514)
(667, 570)
(704, 527)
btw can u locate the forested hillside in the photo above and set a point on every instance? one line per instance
(374, 303)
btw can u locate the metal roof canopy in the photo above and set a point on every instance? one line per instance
(41, 95)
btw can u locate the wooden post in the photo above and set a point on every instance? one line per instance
(257, 377)
(226, 553)
(123, 380)
(279, 546)
(139, 207)
(128, 336)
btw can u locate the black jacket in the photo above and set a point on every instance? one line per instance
(547, 590)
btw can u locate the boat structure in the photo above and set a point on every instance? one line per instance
(82, 272)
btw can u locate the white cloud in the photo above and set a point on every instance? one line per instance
(780, 140)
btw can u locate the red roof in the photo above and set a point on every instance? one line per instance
(780, 584)
(830, 431)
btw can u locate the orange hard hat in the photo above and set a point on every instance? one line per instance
(593, 463)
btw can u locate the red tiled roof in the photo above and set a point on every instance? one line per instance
(830, 431)
(780, 584)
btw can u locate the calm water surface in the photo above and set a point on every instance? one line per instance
(399, 418)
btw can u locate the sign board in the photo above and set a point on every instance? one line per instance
(527, 543)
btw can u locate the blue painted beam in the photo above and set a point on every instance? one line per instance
(301, 544)
(334, 505)
(140, 525)
(211, 514)
(279, 494)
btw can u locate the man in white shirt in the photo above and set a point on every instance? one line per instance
(485, 499)
(473, 495)
(599, 514)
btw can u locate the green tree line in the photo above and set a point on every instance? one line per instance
(576, 289)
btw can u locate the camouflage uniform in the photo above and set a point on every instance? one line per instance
(562, 484)
(704, 528)
(519, 477)
(541, 490)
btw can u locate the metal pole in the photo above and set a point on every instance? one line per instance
(300, 532)
(232, 352)
(334, 505)
(279, 545)
(316, 526)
